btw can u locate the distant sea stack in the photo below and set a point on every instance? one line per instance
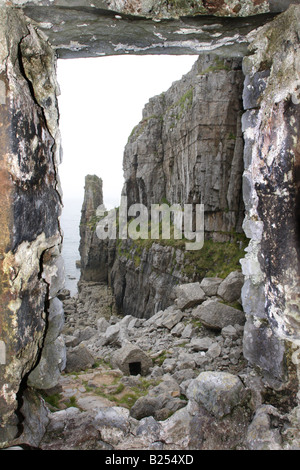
(94, 253)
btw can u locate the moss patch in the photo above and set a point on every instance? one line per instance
(216, 259)
(219, 64)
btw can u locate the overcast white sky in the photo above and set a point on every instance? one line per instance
(101, 101)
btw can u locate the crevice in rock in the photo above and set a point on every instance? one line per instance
(19, 398)
(24, 385)
(23, 73)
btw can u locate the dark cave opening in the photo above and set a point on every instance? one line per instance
(135, 368)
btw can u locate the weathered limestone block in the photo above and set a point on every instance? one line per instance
(230, 288)
(218, 392)
(196, 427)
(216, 315)
(210, 285)
(261, 434)
(53, 358)
(131, 360)
(79, 358)
(189, 295)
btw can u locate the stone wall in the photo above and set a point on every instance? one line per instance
(31, 270)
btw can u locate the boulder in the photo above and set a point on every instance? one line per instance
(189, 295)
(217, 392)
(102, 325)
(79, 359)
(53, 360)
(167, 385)
(188, 331)
(159, 406)
(169, 365)
(131, 360)
(146, 406)
(71, 429)
(85, 334)
(171, 317)
(165, 318)
(261, 434)
(201, 344)
(148, 427)
(214, 350)
(216, 315)
(210, 285)
(178, 329)
(184, 375)
(230, 289)
(115, 334)
(71, 341)
(229, 332)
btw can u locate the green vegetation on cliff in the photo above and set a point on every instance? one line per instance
(215, 259)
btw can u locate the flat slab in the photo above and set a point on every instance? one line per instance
(77, 29)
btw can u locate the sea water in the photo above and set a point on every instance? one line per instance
(70, 221)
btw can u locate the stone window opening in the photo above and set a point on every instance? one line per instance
(271, 260)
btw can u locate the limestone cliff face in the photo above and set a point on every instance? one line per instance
(188, 148)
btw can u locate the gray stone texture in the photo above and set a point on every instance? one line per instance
(79, 358)
(128, 354)
(216, 315)
(230, 289)
(210, 285)
(138, 27)
(264, 349)
(189, 295)
(218, 392)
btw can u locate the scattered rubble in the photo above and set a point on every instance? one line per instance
(173, 381)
